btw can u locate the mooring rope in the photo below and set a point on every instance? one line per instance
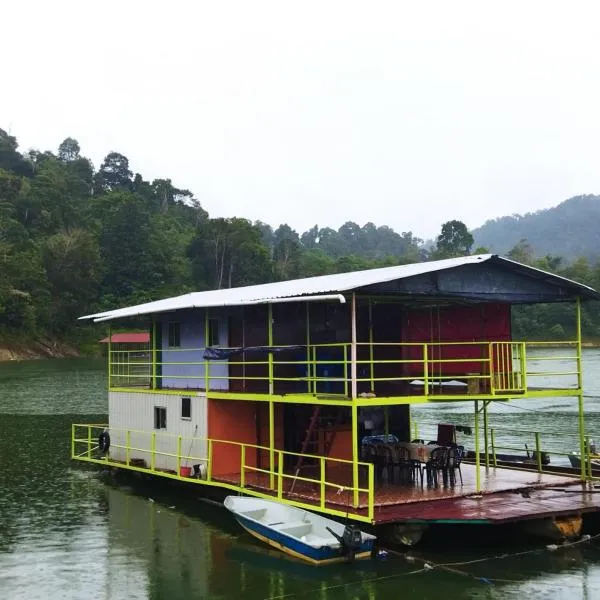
(429, 566)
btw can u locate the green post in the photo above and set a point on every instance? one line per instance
(89, 452)
(243, 466)
(477, 458)
(178, 456)
(209, 461)
(425, 372)
(493, 447)
(371, 353)
(581, 414)
(355, 451)
(322, 481)
(271, 444)
(153, 451)
(279, 474)
(270, 342)
(538, 451)
(308, 363)
(206, 340)
(485, 435)
(73, 440)
(127, 447)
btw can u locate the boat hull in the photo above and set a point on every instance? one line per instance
(293, 547)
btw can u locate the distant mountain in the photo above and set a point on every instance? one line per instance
(569, 230)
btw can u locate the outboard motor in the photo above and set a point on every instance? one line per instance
(350, 540)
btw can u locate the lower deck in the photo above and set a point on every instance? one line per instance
(505, 495)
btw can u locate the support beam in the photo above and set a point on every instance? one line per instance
(580, 405)
(485, 434)
(477, 458)
(308, 360)
(271, 404)
(355, 453)
(353, 352)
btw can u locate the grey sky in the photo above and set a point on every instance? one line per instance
(402, 113)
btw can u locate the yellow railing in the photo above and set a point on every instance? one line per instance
(403, 369)
(165, 455)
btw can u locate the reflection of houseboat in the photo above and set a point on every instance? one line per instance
(269, 390)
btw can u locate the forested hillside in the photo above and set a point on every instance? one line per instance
(569, 230)
(75, 240)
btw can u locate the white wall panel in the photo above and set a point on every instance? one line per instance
(134, 412)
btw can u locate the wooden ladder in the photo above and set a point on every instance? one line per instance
(309, 439)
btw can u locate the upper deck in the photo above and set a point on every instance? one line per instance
(385, 373)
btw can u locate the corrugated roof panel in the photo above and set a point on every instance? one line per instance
(339, 282)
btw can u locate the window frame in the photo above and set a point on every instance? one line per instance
(174, 334)
(160, 423)
(214, 327)
(189, 403)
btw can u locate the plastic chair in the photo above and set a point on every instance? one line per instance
(454, 459)
(438, 461)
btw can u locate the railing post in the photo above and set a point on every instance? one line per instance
(371, 471)
(206, 362)
(279, 474)
(271, 444)
(477, 457)
(73, 431)
(371, 353)
(523, 366)
(127, 446)
(209, 460)
(109, 356)
(89, 428)
(492, 369)
(353, 351)
(153, 451)
(588, 457)
(493, 447)
(243, 470)
(178, 456)
(345, 370)
(322, 461)
(270, 341)
(485, 434)
(538, 452)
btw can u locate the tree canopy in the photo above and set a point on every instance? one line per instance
(75, 240)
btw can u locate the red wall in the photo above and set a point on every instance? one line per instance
(482, 322)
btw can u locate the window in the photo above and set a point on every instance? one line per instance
(160, 417)
(186, 408)
(174, 335)
(214, 338)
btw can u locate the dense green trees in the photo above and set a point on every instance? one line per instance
(74, 240)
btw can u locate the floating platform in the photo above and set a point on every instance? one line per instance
(506, 495)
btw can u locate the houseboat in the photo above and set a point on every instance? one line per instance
(301, 391)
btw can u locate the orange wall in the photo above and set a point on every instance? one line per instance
(236, 421)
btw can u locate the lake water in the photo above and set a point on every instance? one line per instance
(64, 533)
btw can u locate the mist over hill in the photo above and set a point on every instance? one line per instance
(570, 230)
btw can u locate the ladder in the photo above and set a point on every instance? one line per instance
(316, 419)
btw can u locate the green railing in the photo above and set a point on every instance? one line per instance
(494, 368)
(192, 460)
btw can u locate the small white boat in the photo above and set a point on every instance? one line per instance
(300, 533)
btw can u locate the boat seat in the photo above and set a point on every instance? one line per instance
(296, 529)
(315, 540)
(257, 514)
(287, 524)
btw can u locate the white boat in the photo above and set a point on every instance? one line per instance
(300, 533)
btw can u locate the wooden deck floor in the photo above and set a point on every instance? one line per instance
(505, 495)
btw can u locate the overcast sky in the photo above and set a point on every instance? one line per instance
(402, 113)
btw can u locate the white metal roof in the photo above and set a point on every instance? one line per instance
(299, 289)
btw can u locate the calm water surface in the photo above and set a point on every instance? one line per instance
(65, 534)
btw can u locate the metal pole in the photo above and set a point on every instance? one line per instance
(206, 367)
(308, 362)
(580, 406)
(355, 451)
(371, 365)
(271, 406)
(109, 354)
(353, 350)
(477, 458)
(485, 434)
(153, 353)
